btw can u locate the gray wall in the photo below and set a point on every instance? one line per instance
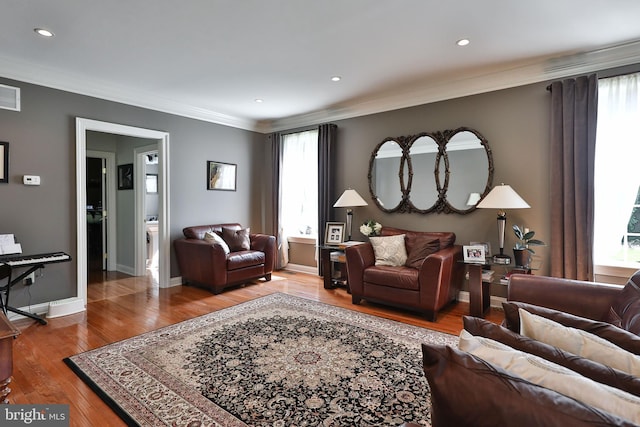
(42, 142)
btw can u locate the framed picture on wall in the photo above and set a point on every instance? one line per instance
(152, 183)
(221, 176)
(334, 233)
(125, 177)
(4, 162)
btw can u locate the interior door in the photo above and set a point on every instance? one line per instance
(96, 224)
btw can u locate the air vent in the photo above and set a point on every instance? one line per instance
(9, 98)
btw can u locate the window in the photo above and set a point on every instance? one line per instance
(299, 184)
(617, 178)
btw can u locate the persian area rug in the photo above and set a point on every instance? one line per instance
(278, 360)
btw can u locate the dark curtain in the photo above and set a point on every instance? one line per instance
(574, 104)
(326, 153)
(276, 166)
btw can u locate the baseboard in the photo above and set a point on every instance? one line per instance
(175, 281)
(463, 296)
(299, 268)
(125, 269)
(39, 309)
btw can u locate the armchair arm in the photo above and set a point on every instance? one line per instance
(441, 276)
(585, 299)
(267, 244)
(359, 257)
(201, 261)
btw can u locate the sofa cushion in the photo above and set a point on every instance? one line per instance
(238, 240)
(588, 368)
(422, 247)
(467, 391)
(625, 309)
(393, 277)
(618, 336)
(213, 237)
(242, 259)
(550, 375)
(578, 342)
(389, 250)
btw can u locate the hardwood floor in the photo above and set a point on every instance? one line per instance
(121, 307)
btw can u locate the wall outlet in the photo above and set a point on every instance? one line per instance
(30, 279)
(31, 180)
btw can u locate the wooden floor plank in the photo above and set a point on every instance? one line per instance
(121, 307)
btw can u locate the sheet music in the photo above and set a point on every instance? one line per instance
(8, 245)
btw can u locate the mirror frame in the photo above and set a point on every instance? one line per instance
(402, 205)
(441, 205)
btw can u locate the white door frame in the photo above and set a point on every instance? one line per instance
(84, 125)
(109, 204)
(140, 184)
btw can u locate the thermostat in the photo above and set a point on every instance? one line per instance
(31, 180)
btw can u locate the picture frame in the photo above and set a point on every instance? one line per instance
(125, 177)
(221, 176)
(487, 247)
(474, 254)
(4, 162)
(334, 233)
(151, 183)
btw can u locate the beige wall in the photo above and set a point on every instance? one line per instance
(516, 124)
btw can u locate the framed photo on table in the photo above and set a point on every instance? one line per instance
(334, 233)
(474, 253)
(487, 247)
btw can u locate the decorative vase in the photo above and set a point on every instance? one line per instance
(521, 257)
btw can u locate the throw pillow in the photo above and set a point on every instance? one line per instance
(212, 237)
(578, 342)
(389, 250)
(422, 247)
(547, 374)
(617, 336)
(468, 391)
(625, 309)
(585, 367)
(238, 240)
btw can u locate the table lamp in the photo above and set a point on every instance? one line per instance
(349, 199)
(502, 197)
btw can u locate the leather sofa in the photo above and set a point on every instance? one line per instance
(435, 282)
(468, 390)
(206, 263)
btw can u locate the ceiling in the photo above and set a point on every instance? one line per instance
(211, 59)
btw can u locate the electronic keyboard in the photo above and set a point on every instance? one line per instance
(27, 260)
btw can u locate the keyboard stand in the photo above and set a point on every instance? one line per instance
(4, 304)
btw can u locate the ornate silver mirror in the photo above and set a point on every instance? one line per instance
(424, 186)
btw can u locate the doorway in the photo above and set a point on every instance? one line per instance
(162, 146)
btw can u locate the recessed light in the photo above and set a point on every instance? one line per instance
(43, 32)
(462, 42)
(259, 100)
(336, 78)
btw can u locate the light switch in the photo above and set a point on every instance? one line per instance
(31, 180)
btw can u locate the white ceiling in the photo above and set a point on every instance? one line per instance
(210, 59)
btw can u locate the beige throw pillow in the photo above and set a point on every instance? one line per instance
(578, 342)
(213, 237)
(555, 377)
(389, 250)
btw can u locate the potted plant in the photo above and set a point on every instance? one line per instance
(370, 228)
(522, 250)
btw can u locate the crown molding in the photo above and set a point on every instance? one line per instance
(432, 90)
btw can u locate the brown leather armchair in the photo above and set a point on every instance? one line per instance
(426, 289)
(205, 263)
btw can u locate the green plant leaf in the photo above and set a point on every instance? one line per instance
(536, 242)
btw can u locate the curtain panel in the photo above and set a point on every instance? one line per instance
(574, 105)
(327, 134)
(282, 246)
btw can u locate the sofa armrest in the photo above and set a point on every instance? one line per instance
(267, 244)
(359, 257)
(585, 299)
(441, 275)
(201, 261)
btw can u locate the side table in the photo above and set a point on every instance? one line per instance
(327, 263)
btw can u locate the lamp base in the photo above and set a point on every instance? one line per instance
(502, 259)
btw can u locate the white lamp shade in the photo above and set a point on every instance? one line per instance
(503, 197)
(349, 199)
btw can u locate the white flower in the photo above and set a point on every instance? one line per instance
(370, 228)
